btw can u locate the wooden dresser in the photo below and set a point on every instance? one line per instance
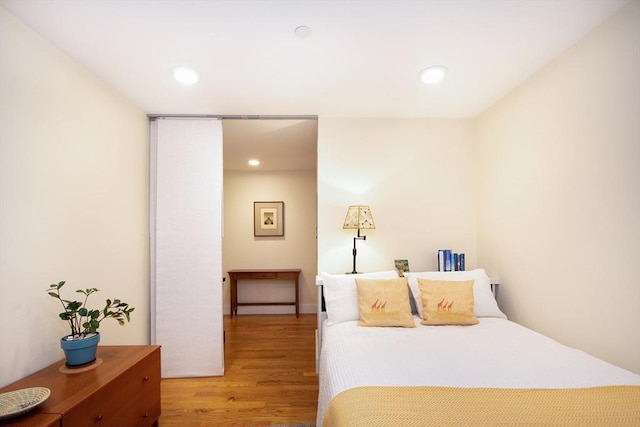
(123, 390)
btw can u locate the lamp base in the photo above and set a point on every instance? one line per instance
(353, 272)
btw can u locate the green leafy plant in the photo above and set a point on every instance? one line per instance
(82, 320)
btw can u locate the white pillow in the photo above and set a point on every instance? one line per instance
(341, 295)
(484, 303)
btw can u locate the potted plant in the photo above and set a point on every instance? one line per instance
(80, 345)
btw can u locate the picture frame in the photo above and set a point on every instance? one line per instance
(401, 265)
(268, 219)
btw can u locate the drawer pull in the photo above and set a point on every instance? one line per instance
(99, 417)
(146, 415)
(146, 378)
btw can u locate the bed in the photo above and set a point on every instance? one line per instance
(492, 372)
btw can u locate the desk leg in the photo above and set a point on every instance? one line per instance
(234, 296)
(297, 303)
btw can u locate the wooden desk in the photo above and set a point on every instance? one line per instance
(124, 390)
(275, 274)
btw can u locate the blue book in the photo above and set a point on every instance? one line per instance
(461, 261)
(447, 259)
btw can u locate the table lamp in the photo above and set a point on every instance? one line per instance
(358, 217)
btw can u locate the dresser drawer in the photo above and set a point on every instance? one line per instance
(33, 420)
(132, 399)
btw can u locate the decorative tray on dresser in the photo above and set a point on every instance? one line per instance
(122, 388)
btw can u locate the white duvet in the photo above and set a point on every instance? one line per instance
(494, 353)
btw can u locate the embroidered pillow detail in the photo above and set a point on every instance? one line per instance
(384, 302)
(447, 302)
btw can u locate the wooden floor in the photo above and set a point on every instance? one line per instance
(269, 377)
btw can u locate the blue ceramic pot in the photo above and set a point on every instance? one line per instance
(80, 351)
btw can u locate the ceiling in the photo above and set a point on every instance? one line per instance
(278, 144)
(361, 59)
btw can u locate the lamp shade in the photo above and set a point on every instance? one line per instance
(358, 217)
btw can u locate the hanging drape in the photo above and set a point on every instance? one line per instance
(186, 245)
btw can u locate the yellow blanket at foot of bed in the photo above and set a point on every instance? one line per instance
(480, 407)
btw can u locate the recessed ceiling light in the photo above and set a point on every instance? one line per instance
(185, 75)
(254, 162)
(303, 31)
(433, 74)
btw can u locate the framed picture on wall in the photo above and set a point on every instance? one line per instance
(268, 219)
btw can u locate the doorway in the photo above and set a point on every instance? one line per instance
(287, 150)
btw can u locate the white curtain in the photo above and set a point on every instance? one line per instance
(186, 245)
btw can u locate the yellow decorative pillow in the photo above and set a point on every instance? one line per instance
(447, 302)
(384, 302)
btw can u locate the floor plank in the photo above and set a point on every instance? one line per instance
(269, 377)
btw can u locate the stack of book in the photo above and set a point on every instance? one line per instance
(450, 261)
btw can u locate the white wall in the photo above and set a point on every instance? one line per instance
(73, 199)
(559, 195)
(297, 249)
(418, 177)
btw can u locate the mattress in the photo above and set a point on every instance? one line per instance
(496, 353)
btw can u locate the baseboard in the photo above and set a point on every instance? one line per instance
(273, 309)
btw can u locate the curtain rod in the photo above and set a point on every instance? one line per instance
(230, 117)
